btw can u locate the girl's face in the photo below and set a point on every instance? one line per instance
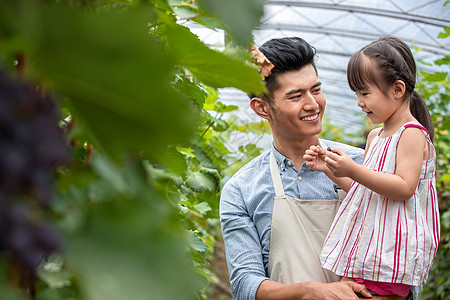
(378, 106)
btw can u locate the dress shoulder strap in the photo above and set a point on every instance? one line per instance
(417, 126)
(430, 143)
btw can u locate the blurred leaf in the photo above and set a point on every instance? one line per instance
(211, 99)
(445, 177)
(192, 91)
(259, 127)
(55, 279)
(198, 181)
(202, 207)
(209, 66)
(241, 17)
(130, 250)
(445, 33)
(186, 152)
(185, 12)
(196, 242)
(110, 172)
(105, 63)
(435, 77)
(443, 61)
(208, 22)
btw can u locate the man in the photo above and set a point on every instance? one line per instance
(275, 212)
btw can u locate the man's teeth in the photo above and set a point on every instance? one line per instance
(310, 118)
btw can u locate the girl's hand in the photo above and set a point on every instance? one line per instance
(339, 163)
(314, 158)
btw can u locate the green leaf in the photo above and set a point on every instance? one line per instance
(209, 66)
(196, 242)
(211, 99)
(55, 279)
(437, 77)
(184, 12)
(240, 17)
(208, 22)
(116, 77)
(110, 172)
(446, 177)
(220, 125)
(192, 91)
(220, 107)
(186, 152)
(132, 250)
(202, 207)
(445, 33)
(199, 181)
(260, 127)
(443, 61)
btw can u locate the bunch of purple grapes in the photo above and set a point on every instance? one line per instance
(31, 146)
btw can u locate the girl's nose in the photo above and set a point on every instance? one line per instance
(360, 102)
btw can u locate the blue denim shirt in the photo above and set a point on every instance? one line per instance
(246, 212)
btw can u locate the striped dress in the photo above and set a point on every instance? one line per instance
(380, 239)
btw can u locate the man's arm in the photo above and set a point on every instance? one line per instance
(242, 244)
(311, 290)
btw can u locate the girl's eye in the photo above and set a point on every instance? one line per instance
(365, 94)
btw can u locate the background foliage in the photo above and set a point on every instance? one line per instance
(137, 98)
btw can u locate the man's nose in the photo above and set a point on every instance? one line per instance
(310, 102)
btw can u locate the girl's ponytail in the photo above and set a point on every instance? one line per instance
(420, 111)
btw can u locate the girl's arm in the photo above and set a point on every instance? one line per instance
(315, 156)
(411, 151)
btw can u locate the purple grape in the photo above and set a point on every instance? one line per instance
(31, 146)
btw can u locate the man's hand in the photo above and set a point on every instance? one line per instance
(338, 290)
(314, 158)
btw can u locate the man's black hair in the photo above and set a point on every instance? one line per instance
(286, 54)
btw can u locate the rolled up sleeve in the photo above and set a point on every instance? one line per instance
(242, 244)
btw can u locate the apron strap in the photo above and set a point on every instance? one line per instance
(276, 178)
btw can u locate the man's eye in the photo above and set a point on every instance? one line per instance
(316, 91)
(295, 96)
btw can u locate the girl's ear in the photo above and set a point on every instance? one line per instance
(399, 89)
(261, 107)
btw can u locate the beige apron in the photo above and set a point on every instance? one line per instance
(299, 228)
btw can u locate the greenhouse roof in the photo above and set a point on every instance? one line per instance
(338, 28)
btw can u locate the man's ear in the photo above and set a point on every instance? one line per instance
(399, 89)
(260, 107)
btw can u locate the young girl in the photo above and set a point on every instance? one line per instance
(386, 231)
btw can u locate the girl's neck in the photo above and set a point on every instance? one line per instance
(400, 117)
(294, 150)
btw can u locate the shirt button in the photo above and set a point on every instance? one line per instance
(289, 163)
(299, 177)
(282, 166)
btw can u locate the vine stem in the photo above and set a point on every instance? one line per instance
(212, 123)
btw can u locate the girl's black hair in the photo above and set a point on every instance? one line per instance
(394, 61)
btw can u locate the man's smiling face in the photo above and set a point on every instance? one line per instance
(298, 105)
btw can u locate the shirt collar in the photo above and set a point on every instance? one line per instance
(280, 158)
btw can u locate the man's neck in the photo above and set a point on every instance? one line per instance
(294, 150)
